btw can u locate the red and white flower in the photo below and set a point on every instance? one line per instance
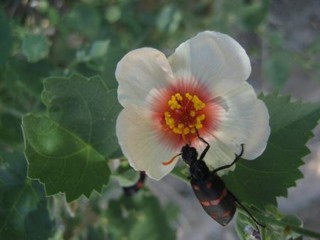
(202, 86)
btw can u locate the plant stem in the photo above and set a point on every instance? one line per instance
(294, 228)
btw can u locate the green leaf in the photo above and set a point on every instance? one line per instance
(278, 225)
(5, 36)
(113, 56)
(126, 178)
(69, 148)
(35, 47)
(246, 227)
(10, 132)
(254, 14)
(99, 49)
(169, 18)
(144, 218)
(38, 224)
(259, 182)
(19, 197)
(22, 78)
(277, 68)
(113, 13)
(83, 19)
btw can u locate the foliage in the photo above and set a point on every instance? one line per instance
(57, 66)
(70, 154)
(276, 169)
(143, 219)
(22, 202)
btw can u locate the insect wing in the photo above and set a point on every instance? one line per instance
(215, 199)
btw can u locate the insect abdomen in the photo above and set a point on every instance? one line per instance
(215, 199)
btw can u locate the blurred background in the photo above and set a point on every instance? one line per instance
(41, 38)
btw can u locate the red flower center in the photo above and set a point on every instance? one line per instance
(183, 108)
(185, 114)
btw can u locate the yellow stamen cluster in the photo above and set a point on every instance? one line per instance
(174, 101)
(197, 103)
(185, 113)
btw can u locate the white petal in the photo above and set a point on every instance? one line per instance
(138, 72)
(140, 143)
(259, 135)
(245, 121)
(213, 58)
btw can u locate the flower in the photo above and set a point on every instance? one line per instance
(201, 87)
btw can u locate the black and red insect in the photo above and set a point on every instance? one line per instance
(217, 201)
(131, 190)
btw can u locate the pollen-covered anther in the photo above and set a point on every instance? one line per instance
(197, 103)
(174, 101)
(185, 113)
(192, 113)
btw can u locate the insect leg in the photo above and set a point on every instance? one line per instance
(249, 213)
(204, 152)
(234, 161)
